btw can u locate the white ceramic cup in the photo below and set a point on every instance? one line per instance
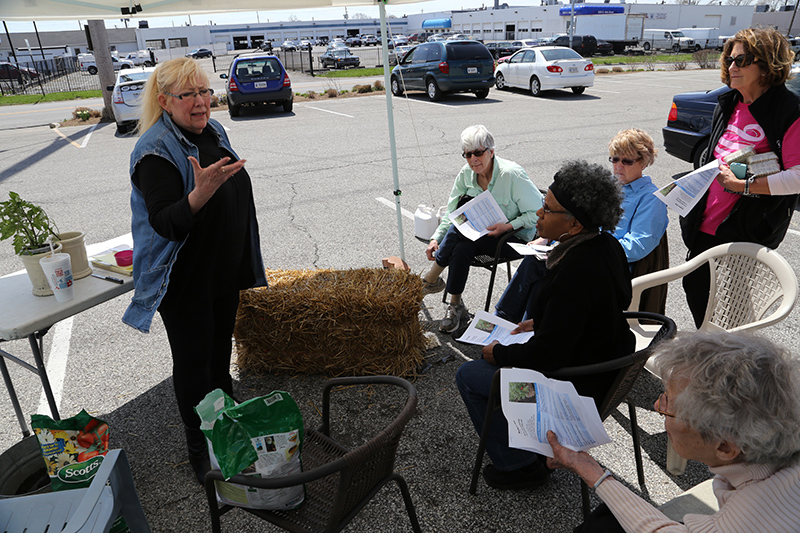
(58, 271)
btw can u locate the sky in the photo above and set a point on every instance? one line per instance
(270, 16)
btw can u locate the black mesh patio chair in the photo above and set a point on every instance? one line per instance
(629, 366)
(490, 263)
(338, 481)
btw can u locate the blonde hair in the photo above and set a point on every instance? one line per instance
(634, 141)
(175, 72)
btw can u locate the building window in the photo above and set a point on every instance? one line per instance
(733, 21)
(179, 42)
(156, 44)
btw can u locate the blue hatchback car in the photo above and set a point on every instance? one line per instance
(445, 67)
(257, 79)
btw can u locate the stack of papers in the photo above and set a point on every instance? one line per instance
(486, 328)
(472, 218)
(540, 251)
(534, 404)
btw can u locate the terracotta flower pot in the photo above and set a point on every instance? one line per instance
(74, 245)
(35, 272)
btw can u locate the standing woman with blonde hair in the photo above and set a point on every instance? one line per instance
(195, 236)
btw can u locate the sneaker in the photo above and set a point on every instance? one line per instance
(433, 288)
(452, 317)
(527, 477)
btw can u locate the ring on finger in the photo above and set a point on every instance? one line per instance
(224, 171)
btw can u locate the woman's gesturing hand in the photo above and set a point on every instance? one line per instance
(208, 180)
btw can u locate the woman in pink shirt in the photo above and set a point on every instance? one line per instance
(758, 114)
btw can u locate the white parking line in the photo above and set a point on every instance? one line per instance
(328, 111)
(388, 203)
(793, 232)
(57, 363)
(88, 136)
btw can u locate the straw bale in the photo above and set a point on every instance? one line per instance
(332, 322)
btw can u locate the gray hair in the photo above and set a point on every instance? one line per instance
(590, 193)
(476, 137)
(738, 388)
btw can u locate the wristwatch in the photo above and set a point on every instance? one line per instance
(747, 183)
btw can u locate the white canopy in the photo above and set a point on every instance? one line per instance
(111, 9)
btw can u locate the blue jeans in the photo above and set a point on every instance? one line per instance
(515, 304)
(474, 380)
(456, 252)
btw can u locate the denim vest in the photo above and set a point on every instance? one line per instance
(153, 255)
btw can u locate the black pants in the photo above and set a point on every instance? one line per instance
(200, 340)
(697, 284)
(600, 521)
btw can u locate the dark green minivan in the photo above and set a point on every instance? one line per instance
(445, 67)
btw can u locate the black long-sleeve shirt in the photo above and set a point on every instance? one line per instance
(215, 259)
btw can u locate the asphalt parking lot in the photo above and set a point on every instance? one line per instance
(322, 180)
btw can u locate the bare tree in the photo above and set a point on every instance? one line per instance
(740, 2)
(293, 18)
(359, 16)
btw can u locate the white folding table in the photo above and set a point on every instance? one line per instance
(25, 315)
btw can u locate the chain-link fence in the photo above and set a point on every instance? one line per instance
(307, 60)
(46, 76)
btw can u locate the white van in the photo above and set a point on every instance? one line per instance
(703, 37)
(673, 40)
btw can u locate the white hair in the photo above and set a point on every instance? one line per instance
(740, 388)
(476, 137)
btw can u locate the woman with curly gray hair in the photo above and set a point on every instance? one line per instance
(577, 315)
(731, 401)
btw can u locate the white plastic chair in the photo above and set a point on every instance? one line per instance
(92, 509)
(751, 287)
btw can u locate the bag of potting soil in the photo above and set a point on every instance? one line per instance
(73, 450)
(261, 437)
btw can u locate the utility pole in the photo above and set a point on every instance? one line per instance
(105, 68)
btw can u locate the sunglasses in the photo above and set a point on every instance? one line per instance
(741, 61)
(476, 153)
(624, 161)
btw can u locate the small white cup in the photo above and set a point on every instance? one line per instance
(58, 271)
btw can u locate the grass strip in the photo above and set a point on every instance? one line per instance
(19, 99)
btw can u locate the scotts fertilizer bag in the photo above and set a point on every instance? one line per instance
(73, 450)
(261, 437)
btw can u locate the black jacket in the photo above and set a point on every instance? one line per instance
(577, 318)
(761, 219)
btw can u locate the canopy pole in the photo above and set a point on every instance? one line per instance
(390, 115)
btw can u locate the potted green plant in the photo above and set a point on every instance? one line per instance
(30, 228)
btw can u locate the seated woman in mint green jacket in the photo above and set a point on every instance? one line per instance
(518, 198)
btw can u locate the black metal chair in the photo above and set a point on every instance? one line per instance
(490, 263)
(338, 481)
(629, 366)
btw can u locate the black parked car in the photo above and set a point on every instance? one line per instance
(605, 48)
(353, 41)
(445, 67)
(199, 53)
(339, 58)
(504, 48)
(688, 126)
(585, 45)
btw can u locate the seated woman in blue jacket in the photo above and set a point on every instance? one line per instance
(577, 316)
(641, 229)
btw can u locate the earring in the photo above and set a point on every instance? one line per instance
(169, 113)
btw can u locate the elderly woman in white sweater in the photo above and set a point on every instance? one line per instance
(731, 401)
